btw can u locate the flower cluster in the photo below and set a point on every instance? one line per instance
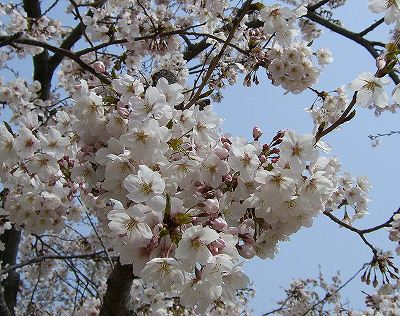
(292, 67)
(178, 197)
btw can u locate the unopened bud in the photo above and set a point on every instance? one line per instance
(99, 67)
(256, 132)
(233, 230)
(221, 152)
(262, 158)
(246, 251)
(122, 110)
(228, 178)
(380, 62)
(219, 224)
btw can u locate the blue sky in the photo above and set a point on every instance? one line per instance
(325, 243)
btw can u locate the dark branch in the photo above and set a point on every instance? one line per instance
(342, 119)
(94, 255)
(65, 53)
(214, 62)
(371, 27)
(356, 37)
(42, 71)
(317, 5)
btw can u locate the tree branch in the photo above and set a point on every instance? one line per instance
(214, 62)
(342, 119)
(71, 39)
(356, 37)
(65, 53)
(11, 239)
(360, 233)
(93, 255)
(41, 69)
(371, 27)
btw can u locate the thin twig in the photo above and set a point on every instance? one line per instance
(50, 257)
(101, 241)
(328, 295)
(216, 59)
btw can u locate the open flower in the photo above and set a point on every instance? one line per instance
(145, 186)
(193, 245)
(130, 222)
(370, 90)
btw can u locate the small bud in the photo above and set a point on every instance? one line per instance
(381, 62)
(221, 152)
(99, 67)
(219, 224)
(122, 110)
(233, 230)
(228, 178)
(246, 251)
(256, 132)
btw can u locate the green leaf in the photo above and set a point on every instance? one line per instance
(175, 237)
(182, 218)
(170, 124)
(9, 129)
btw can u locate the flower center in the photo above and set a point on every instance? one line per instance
(146, 188)
(164, 268)
(131, 224)
(196, 244)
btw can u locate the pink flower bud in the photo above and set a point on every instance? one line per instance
(248, 239)
(246, 251)
(195, 220)
(381, 62)
(219, 243)
(122, 111)
(232, 230)
(227, 146)
(63, 163)
(77, 87)
(278, 135)
(262, 158)
(256, 132)
(213, 250)
(211, 206)
(219, 224)
(99, 67)
(275, 151)
(228, 178)
(221, 152)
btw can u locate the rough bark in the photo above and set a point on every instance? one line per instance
(8, 295)
(118, 288)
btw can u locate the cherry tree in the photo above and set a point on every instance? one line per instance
(121, 195)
